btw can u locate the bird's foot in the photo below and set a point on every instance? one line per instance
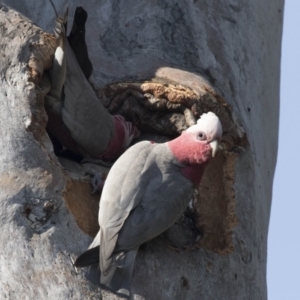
(97, 180)
(96, 162)
(173, 248)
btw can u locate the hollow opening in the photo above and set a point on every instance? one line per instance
(163, 110)
(165, 107)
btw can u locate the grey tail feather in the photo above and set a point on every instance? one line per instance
(93, 274)
(121, 280)
(88, 258)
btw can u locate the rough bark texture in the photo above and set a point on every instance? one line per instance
(229, 49)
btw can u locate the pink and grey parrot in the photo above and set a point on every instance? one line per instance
(146, 191)
(77, 118)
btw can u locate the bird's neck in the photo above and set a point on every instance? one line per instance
(124, 133)
(194, 173)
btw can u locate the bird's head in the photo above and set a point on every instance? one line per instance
(208, 130)
(200, 142)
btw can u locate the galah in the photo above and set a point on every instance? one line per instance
(146, 191)
(76, 117)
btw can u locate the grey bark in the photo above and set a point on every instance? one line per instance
(236, 45)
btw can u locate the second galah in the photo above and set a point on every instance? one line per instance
(76, 117)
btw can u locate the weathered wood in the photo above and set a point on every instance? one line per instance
(233, 50)
(37, 230)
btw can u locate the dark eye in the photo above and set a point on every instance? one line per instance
(201, 136)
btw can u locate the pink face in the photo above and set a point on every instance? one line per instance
(196, 146)
(191, 148)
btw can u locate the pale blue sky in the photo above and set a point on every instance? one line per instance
(284, 230)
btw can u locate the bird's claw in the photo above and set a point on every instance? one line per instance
(173, 248)
(97, 162)
(97, 180)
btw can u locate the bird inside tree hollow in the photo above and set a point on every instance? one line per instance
(146, 191)
(77, 119)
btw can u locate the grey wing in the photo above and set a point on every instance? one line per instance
(164, 201)
(90, 124)
(121, 194)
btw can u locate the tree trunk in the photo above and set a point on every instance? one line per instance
(200, 55)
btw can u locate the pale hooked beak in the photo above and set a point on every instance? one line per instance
(214, 146)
